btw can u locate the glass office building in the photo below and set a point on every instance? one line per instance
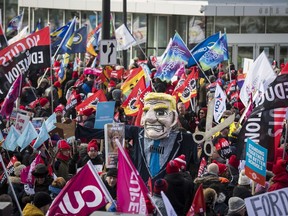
(251, 25)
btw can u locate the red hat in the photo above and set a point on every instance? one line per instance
(22, 107)
(111, 84)
(181, 162)
(43, 101)
(233, 161)
(59, 108)
(57, 84)
(88, 111)
(172, 167)
(222, 167)
(92, 145)
(281, 166)
(160, 185)
(63, 144)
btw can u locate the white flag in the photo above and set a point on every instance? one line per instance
(124, 38)
(169, 208)
(22, 34)
(220, 103)
(260, 72)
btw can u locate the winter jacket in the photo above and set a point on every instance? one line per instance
(31, 210)
(279, 181)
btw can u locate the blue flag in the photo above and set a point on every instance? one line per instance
(10, 141)
(27, 136)
(216, 54)
(79, 41)
(177, 55)
(57, 36)
(42, 137)
(15, 24)
(50, 122)
(201, 48)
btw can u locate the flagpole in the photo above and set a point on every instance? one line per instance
(60, 45)
(11, 186)
(200, 68)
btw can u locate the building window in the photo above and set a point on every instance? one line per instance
(277, 24)
(196, 30)
(55, 19)
(231, 24)
(252, 24)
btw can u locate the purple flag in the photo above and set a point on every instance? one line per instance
(12, 95)
(82, 195)
(133, 192)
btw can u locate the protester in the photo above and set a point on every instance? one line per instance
(92, 154)
(56, 186)
(110, 181)
(160, 185)
(40, 205)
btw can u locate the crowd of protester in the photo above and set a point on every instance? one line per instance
(224, 181)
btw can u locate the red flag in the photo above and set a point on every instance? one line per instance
(14, 92)
(10, 169)
(202, 166)
(232, 87)
(129, 104)
(132, 194)
(81, 196)
(188, 89)
(26, 173)
(198, 204)
(91, 101)
(140, 103)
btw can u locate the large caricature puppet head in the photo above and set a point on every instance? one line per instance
(159, 115)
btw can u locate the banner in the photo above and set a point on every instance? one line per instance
(275, 95)
(91, 101)
(220, 103)
(132, 194)
(104, 114)
(256, 159)
(263, 128)
(271, 203)
(82, 195)
(30, 53)
(21, 122)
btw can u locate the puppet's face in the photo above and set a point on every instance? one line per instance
(158, 118)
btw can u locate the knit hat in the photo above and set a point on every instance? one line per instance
(160, 185)
(242, 192)
(213, 168)
(210, 196)
(59, 182)
(243, 179)
(181, 162)
(43, 101)
(172, 167)
(57, 84)
(88, 111)
(63, 144)
(112, 172)
(233, 161)
(221, 167)
(18, 167)
(41, 199)
(281, 166)
(59, 108)
(235, 204)
(92, 145)
(40, 171)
